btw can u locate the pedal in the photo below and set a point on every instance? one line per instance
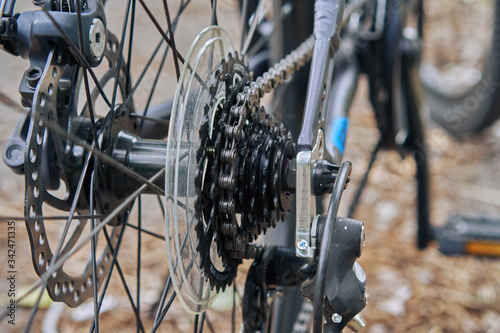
(470, 235)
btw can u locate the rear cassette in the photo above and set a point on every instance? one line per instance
(226, 159)
(188, 149)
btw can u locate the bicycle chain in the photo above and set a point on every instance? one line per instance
(249, 100)
(249, 149)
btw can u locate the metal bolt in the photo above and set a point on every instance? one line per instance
(32, 76)
(97, 39)
(336, 318)
(302, 245)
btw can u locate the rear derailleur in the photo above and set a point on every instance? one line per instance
(279, 267)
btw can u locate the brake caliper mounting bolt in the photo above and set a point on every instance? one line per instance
(336, 318)
(302, 245)
(97, 39)
(32, 76)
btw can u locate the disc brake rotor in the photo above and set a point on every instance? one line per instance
(47, 170)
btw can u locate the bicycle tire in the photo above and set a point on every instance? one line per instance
(479, 106)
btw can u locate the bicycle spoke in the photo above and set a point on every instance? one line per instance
(120, 56)
(163, 297)
(196, 319)
(153, 87)
(146, 231)
(55, 218)
(73, 208)
(156, 120)
(164, 312)
(130, 43)
(159, 317)
(139, 244)
(202, 322)
(90, 107)
(162, 33)
(233, 312)
(214, 12)
(244, 23)
(94, 264)
(141, 77)
(119, 63)
(125, 285)
(165, 37)
(114, 253)
(171, 33)
(85, 77)
(259, 13)
(162, 207)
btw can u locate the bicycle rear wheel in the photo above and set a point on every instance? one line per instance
(113, 256)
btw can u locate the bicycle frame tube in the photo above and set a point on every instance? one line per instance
(7, 8)
(344, 86)
(328, 16)
(310, 144)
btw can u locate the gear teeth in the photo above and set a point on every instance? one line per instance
(223, 76)
(244, 170)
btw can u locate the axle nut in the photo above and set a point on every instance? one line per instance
(97, 39)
